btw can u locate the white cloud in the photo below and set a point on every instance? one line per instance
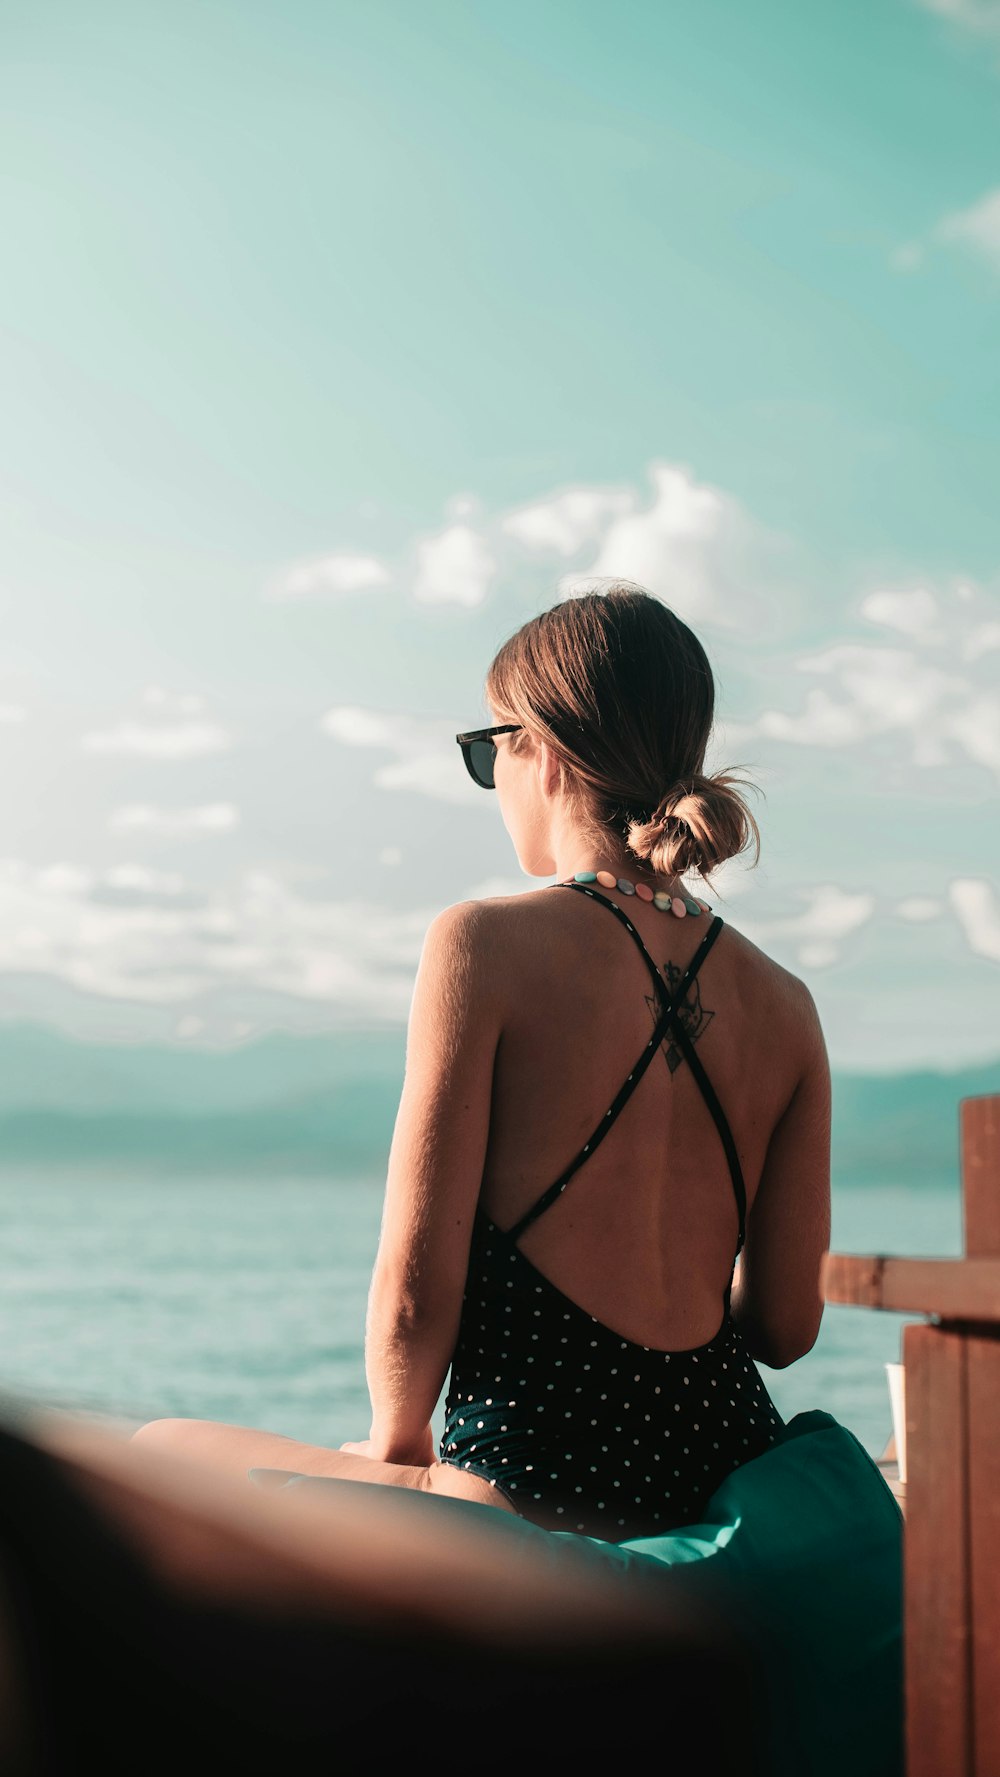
(427, 759)
(135, 885)
(976, 726)
(463, 506)
(172, 703)
(141, 879)
(919, 908)
(564, 522)
(932, 693)
(981, 641)
(184, 740)
(64, 880)
(158, 949)
(977, 227)
(912, 610)
(358, 727)
(694, 547)
(877, 690)
(12, 712)
(454, 567)
(432, 773)
(329, 577)
(822, 722)
(729, 881)
(886, 687)
(175, 823)
(818, 931)
(975, 15)
(141, 876)
(977, 906)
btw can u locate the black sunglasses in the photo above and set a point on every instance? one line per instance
(479, 752)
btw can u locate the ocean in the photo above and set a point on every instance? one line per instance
(243, 1298)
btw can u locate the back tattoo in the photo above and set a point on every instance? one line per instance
(694, 1017)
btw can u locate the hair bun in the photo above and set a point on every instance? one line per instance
(697, 825)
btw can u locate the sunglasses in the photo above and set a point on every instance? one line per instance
(479, 752)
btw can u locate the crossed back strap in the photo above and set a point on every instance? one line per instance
(669, 1020)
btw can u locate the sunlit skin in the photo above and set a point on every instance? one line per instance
(491, 1105)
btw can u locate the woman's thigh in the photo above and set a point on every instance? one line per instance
(234, 1449)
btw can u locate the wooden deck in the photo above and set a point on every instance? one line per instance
(952, 1493)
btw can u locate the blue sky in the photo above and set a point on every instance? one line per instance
(337, 340)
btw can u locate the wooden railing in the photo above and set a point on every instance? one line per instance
(952, 1536)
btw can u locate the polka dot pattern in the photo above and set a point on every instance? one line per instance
(592, 1432)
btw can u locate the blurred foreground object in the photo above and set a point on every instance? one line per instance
(157, 1617)
(952, 1541)
(800, 1551)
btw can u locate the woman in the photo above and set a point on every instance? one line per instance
(600, 1342)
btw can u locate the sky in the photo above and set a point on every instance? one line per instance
(339, 340)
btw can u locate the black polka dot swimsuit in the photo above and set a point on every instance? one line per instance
(581, 1429)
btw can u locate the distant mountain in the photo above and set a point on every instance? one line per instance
(342, 1132)
(309, 1104)
(327, 1104)
(904, 1125)
(40, 1069)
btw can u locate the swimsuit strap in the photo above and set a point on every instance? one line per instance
(668, 1018)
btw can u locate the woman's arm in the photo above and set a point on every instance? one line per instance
(435, 1171)
(776, 1300)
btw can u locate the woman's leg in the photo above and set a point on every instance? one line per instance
(233, 1449)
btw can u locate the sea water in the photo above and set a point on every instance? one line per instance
(243, 1299)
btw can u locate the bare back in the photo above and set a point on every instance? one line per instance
(643, 1237)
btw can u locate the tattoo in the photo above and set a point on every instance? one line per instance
(693, 1016)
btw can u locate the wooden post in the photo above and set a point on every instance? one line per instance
(952, 1537)
(982, 1383)
(980, 1135)
(980, 1129)
(936, 1626)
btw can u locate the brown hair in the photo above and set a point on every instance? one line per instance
(622, 691)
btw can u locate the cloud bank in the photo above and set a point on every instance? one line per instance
(689, 542)
(937, 696)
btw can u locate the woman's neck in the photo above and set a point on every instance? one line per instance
(571, 858)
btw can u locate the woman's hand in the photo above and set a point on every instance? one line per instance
(420, 1453)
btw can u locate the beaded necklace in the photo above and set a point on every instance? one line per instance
(679, 905)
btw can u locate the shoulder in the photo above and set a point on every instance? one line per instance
(783, 983)
(493, 920)
(781, 996)
(468, 930)
(464, 943)
(484, 945)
